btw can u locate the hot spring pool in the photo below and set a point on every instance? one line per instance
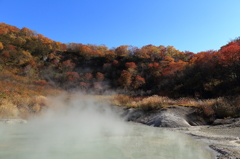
(66, 141)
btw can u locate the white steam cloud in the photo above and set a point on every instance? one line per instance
(79, 127)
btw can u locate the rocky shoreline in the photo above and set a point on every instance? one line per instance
(222, 136)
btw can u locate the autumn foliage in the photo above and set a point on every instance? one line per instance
(1, 46)
(72, 76)
(126, 69)
(138, 81)
(41, 83)
(125, 78)
(131, 65)
(99, 76)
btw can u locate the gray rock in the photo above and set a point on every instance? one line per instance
(176, 116)
(170, 120)
(226, 121)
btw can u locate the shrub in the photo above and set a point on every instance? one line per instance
(151, 103)
(121, 100)
(227, 108)
(8, 109)
(220, 107)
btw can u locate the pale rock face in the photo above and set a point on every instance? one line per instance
(170, 120)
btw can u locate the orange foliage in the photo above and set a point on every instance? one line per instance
(110, 55)
(141, 53)
(139, 81)
(1, 46)
(44, 39)
(125, 78)
(122, 50)
(27, 31)
(169, 59)
(173, 69)
(5, 28)
(131, 65)
(150, 51)
(154, 68)
(85, 50)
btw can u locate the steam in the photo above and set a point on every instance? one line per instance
(79, 127)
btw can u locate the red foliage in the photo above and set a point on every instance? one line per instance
(68, 65)
(11, 47)
(6, 54)
(99, 76)
(203, 59)
(172, 69)
(55, 61)
(88, 76)
(84, 85)
(107, 65)
(139, 81)
(230, 54)
(115, 62)
(32, 63)
(72, 76)
(131, 65)
(154, 68)
(41, 83)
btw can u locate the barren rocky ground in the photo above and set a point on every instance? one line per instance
(222, 136)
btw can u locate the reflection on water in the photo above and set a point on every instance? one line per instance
(54, 142)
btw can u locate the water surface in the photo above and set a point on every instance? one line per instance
(66, 141)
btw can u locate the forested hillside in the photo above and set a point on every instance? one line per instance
(30, 58)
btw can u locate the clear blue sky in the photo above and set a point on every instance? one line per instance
(193, 25)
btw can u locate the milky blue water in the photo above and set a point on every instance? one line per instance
(56, 141)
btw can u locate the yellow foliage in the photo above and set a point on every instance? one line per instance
(39, 100)
(8, 109)
(27, 54)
